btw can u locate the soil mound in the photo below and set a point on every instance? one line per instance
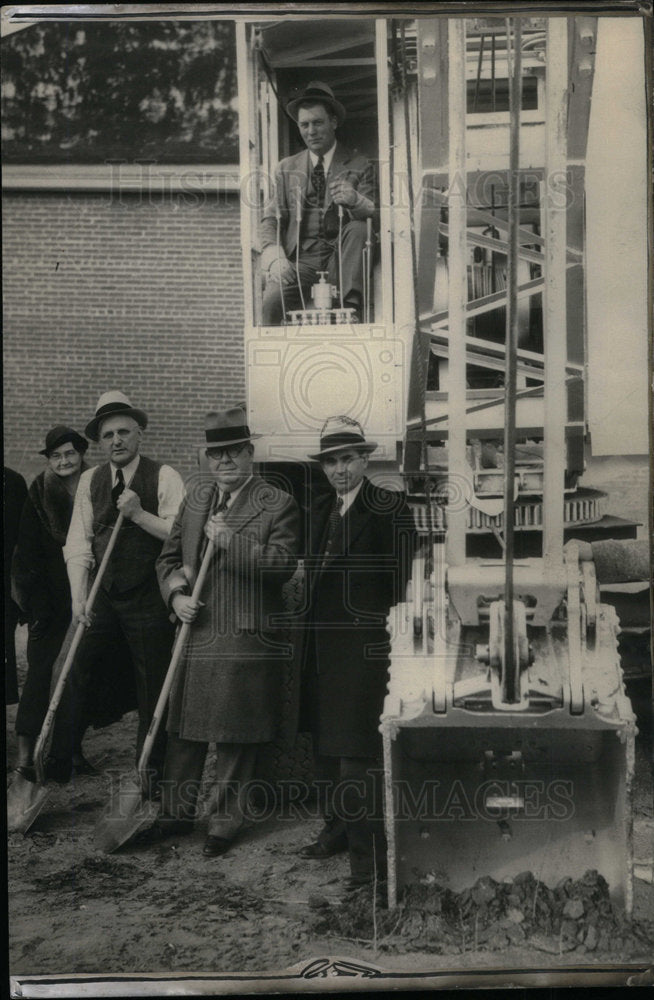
(490, 916)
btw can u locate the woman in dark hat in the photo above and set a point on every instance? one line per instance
(41, 583)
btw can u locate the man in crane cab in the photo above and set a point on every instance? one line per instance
(316, 217)
(360, 550)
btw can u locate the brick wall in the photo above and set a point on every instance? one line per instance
(143, 294)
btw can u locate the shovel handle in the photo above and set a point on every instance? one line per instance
(93, 593)
(178, 649)
(68, 662)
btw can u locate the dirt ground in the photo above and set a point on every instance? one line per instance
(166, 909)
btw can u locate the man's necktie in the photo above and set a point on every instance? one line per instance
(220, 507)
(332, 526)
(224, 500)
(318, 180)
(118, 486)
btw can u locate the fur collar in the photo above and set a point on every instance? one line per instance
(53, 503)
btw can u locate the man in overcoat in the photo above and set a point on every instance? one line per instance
(300, 223)
(128, 609)
(361, 545)
(228, 688)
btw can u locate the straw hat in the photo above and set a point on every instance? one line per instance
(342, 432)
(111, 404)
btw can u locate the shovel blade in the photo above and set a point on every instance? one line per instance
(25, 800)
(127, 813)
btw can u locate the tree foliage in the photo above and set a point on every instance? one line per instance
(161, 91)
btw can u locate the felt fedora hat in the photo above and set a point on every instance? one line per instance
(112, 404)
(339, 433)
(318, 93)
(225, 427)
(61, 435)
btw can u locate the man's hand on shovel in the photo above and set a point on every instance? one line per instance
(80, 615)
(185, 607)
(129, 504)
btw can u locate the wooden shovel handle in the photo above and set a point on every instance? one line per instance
(68, 662)
(178, 649)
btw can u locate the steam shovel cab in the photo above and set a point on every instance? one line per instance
(508, 737)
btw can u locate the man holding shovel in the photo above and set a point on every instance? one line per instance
(128, 603)
(228, 686)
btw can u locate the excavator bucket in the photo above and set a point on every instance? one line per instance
(476, 787)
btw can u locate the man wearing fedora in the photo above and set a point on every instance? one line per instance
(362, 539)
(228, 687)
(300, 224)
(128, 607)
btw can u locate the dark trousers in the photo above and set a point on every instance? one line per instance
(320, 255)
(350, 796)
(42, 651)
(140, 619)
(182, 777)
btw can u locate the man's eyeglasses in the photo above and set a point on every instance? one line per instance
(230, 451)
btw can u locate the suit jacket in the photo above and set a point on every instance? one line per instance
(349, 597)
(228, 685)
(291, 183)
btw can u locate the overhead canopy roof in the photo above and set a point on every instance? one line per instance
(340, 52)
(296, 43)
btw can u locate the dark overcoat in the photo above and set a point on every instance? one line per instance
(39, 571)
(346, 652)
(228, 686)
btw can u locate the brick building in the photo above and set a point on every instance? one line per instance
(113, 282)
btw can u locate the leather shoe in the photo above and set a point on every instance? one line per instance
(215, 846)
(319, 852)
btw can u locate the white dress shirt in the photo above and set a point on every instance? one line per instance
(231, 496)
(326, 159)
(349, 498)
(78, 548)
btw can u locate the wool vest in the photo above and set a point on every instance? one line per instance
(135, 553)
(312, 225)
(310, 220)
